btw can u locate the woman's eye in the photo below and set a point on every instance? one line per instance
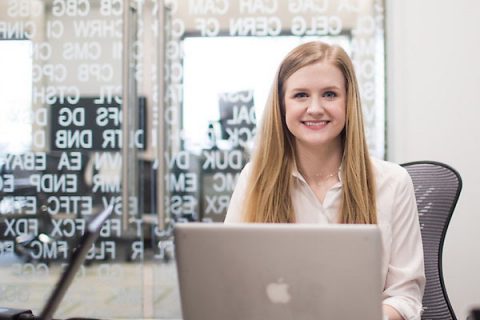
(329, 94)
(300, 95)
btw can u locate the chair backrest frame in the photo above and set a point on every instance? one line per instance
(412, 168)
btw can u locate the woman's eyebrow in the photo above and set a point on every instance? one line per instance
(298, 89)
(302, 88)
(331, 88)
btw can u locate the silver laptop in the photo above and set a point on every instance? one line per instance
(279, 271)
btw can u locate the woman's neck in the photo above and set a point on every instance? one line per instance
(319, 163)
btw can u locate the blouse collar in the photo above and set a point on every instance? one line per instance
(296, 173)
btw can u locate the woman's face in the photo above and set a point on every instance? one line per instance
(315, 105)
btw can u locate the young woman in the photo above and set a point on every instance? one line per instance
(311, 165)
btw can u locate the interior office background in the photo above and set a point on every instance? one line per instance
(432, 73)
(433, 107)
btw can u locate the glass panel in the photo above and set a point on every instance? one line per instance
(220, 60)
(183, 90)
(63, 137)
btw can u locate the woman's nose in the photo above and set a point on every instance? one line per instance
(315, 106)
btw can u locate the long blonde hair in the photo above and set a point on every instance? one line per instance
(268, 197)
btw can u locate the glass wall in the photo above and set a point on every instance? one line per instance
(71, 144)
(220, 60)
(149, 106)
(221, 57)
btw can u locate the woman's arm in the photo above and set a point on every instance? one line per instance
(390, 313)
(405, 279)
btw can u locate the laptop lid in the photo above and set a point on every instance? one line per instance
(85, 243)
(277, 271)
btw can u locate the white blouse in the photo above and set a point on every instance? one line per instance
(397, 216)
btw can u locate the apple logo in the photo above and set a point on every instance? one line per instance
(277, 292)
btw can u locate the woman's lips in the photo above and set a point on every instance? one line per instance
(316, 124)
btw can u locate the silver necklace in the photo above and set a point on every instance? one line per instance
(319, 178)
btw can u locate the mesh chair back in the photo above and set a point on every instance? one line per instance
(437, 188)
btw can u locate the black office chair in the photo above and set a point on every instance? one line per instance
(437, 188)
(474, 314)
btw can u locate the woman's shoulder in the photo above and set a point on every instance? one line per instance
(246, 170)
(244, 176)
(386, 171)
(237, 200)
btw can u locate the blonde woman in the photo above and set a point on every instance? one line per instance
(311, 165)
